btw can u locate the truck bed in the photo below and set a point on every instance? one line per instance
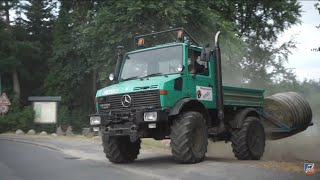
(235, 96)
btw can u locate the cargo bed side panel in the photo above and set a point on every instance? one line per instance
(234, 96)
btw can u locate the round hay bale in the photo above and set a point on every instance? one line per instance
(289, 108)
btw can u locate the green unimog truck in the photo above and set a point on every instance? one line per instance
(174, 91)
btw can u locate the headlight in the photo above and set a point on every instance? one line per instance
(96, 129)
(95, 120)
(111, 77)
(150, 116)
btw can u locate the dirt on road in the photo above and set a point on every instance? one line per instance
(288, 154)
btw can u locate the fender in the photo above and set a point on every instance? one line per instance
(239, 118)
(178, 107)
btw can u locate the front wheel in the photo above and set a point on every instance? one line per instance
(189, 138)
(248, 143)
(119, 149)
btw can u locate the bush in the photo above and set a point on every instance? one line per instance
(77, 118)
(49, 128)
(23, 118)
(16, 119)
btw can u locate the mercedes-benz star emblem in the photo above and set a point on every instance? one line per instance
(126, 100)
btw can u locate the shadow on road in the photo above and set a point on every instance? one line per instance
(168, 159)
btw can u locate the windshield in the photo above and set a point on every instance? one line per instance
(152, 62)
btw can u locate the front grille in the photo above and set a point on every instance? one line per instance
(145, 87)
(138, 100)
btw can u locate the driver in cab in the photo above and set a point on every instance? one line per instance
(193, 65)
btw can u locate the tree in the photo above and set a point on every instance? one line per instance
(38, 22)
(317, 6)
(258, 24)
(8, 56)
(88, 32)
(76, 50)
(264, 66)
(16, 49)
(117, 22)
(68, 74)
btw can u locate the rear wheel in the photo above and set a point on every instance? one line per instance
(119, 149)
(189, 138)
(248, 143)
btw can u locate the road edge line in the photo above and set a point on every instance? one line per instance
(31, 143)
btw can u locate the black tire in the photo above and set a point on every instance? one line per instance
(248, 143)
(189, 139)
(119, 149)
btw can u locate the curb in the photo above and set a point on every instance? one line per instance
(31, 143)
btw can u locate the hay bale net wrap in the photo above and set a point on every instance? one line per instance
(289, 108)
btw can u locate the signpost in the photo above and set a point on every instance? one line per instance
(4, 109)
(46, 109)
(4, 104)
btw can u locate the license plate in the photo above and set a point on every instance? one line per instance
(95, 129)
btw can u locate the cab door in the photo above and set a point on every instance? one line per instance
(200, 79)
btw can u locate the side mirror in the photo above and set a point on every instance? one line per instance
(180, 68)
(205, 54)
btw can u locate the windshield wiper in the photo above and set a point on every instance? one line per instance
(151, 75)
(135, 77)
(130, 78)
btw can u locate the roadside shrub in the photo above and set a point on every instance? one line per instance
(23, 118)
(17, 119)
(77, 118)
(49, 128)
(63, 115)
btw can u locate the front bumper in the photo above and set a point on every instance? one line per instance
(127, 123)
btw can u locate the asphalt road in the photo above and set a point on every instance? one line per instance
(20, 161)
(23, 158)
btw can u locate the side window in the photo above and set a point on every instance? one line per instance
(196, 66)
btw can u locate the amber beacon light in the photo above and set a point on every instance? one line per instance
(141, 42)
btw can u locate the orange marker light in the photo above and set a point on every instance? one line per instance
(141, 42)
(180, 33)
(163, 92)
(100, 99)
